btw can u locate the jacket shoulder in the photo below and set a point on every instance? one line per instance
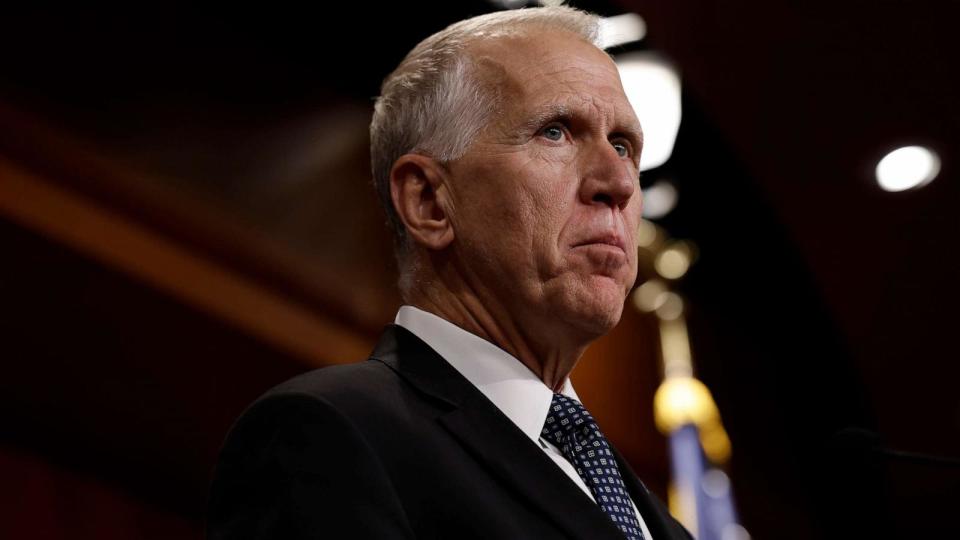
(337, 382)
(355, 390)
(273, 478)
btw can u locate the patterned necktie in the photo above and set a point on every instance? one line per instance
(571, 429)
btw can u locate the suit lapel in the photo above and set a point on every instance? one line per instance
(493, 440)
(658, 519)
(517, 461)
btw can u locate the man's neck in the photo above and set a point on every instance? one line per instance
(550, 358)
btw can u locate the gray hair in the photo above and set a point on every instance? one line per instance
(435, 104)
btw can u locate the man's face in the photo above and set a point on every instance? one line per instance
(547, 199)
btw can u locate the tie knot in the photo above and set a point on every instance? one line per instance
(568, 422)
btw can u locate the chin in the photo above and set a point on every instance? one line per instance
(602, 319)
(596, 310)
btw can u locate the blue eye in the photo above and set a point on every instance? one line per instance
(554, 133)
(622, 149)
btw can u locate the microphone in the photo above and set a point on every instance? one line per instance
(857, 441)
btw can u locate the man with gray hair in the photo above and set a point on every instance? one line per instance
(506, 156)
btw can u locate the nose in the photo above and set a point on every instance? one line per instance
(608, 178)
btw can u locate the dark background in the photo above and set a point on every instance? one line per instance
(186, 147)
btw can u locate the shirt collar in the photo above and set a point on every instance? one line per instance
(503, 379)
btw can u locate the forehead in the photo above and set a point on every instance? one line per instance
(551, 67)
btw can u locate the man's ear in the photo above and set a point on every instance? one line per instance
(418, 189)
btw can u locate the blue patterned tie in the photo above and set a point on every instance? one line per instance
(571, 429)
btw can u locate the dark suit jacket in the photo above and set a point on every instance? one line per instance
(399, 446)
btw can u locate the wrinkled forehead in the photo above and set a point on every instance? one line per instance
(521, 62)
(548, 68)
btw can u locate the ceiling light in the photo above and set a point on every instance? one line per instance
(509, 4)
(907, 168)
(621, 29)
(659, 199)
(653, 89)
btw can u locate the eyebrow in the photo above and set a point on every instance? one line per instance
(559, 111)
(547, 113)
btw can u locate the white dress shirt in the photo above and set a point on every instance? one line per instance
(503, 379)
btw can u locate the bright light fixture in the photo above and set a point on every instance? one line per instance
(908, 167)
(659, 199)
(671, 308)
(621, 29)
(650, 296)
(653, 89)
(673, 262)
(509, 4)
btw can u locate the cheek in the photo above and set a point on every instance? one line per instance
(632, 216)
(521, 204)
(533, 192)
(497, 220)
(548, 205)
